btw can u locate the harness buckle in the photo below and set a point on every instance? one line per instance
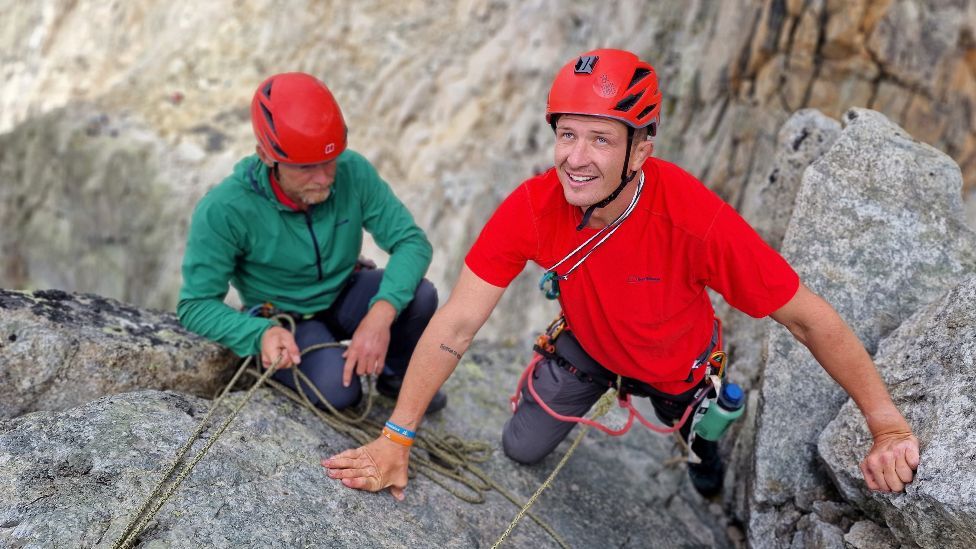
(556, 327)
(547, 339)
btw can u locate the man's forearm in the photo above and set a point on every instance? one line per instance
(383, 311)
(443, 344)
(842, 355)
(214, 320)
(437, 354)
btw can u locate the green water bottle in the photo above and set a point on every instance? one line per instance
(721, 413)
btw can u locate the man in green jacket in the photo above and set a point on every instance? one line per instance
(286, 229)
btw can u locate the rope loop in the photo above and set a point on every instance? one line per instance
(447, 460)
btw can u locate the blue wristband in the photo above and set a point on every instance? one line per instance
(401, 430)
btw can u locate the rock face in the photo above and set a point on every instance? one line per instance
(447, 99)
(868, 535)
(768, 207)
(929, 363)
(877, 230)
(768, 204)
(60, 350)
(104, 206)
(72, 478)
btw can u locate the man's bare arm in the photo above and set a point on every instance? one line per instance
(891, 462)
(443, 343)
(383, 463)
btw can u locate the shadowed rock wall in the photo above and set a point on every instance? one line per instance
(447, 98)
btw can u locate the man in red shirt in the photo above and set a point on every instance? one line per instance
(629, 244)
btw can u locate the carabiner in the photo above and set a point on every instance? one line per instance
(717, 361)
(552, 292)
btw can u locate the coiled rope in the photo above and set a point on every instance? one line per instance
(449, 458)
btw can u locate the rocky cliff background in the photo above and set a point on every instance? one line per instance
(117, 117)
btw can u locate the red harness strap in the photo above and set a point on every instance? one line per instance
(526, 380)
(716, 361)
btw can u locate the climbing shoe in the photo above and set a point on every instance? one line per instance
(707, 476)
(389, 386)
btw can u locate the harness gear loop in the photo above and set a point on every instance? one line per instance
(717, 361)
(546, 338)
(545, 348)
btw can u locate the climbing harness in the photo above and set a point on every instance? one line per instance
(551, 278)
(623, 400)
(444, 458)
(545, 348)
(623, 388)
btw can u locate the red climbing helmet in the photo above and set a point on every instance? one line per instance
(296, 120)
(607, 83)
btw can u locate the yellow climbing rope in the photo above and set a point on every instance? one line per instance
(448, 456)
(601, 407)
(135, 525)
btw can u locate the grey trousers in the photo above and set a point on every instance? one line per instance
(531, 433)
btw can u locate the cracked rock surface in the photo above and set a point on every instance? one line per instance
(115, 119)
(60, 350)
(72, 479)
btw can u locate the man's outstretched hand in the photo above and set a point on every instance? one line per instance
(373, 467)
(891, 463)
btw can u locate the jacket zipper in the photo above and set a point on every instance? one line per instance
(315, 243)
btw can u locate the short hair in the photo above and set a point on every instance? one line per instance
(642, 134)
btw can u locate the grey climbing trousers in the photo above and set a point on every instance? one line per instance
(531, 433)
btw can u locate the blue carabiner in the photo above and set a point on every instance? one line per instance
(552, 292)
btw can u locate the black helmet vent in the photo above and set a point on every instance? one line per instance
(628, 102)
(639, 75)
(646, 111)
(266, 90)
(275, 146)
(268, 118)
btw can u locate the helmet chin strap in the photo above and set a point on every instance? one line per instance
(624, 179)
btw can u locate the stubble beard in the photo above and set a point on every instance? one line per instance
(310, 198)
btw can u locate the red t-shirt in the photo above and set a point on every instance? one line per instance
(638, 304)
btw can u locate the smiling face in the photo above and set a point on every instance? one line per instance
(304, 184)
(589, 158)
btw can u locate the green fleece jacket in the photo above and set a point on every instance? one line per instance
(299, 261)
